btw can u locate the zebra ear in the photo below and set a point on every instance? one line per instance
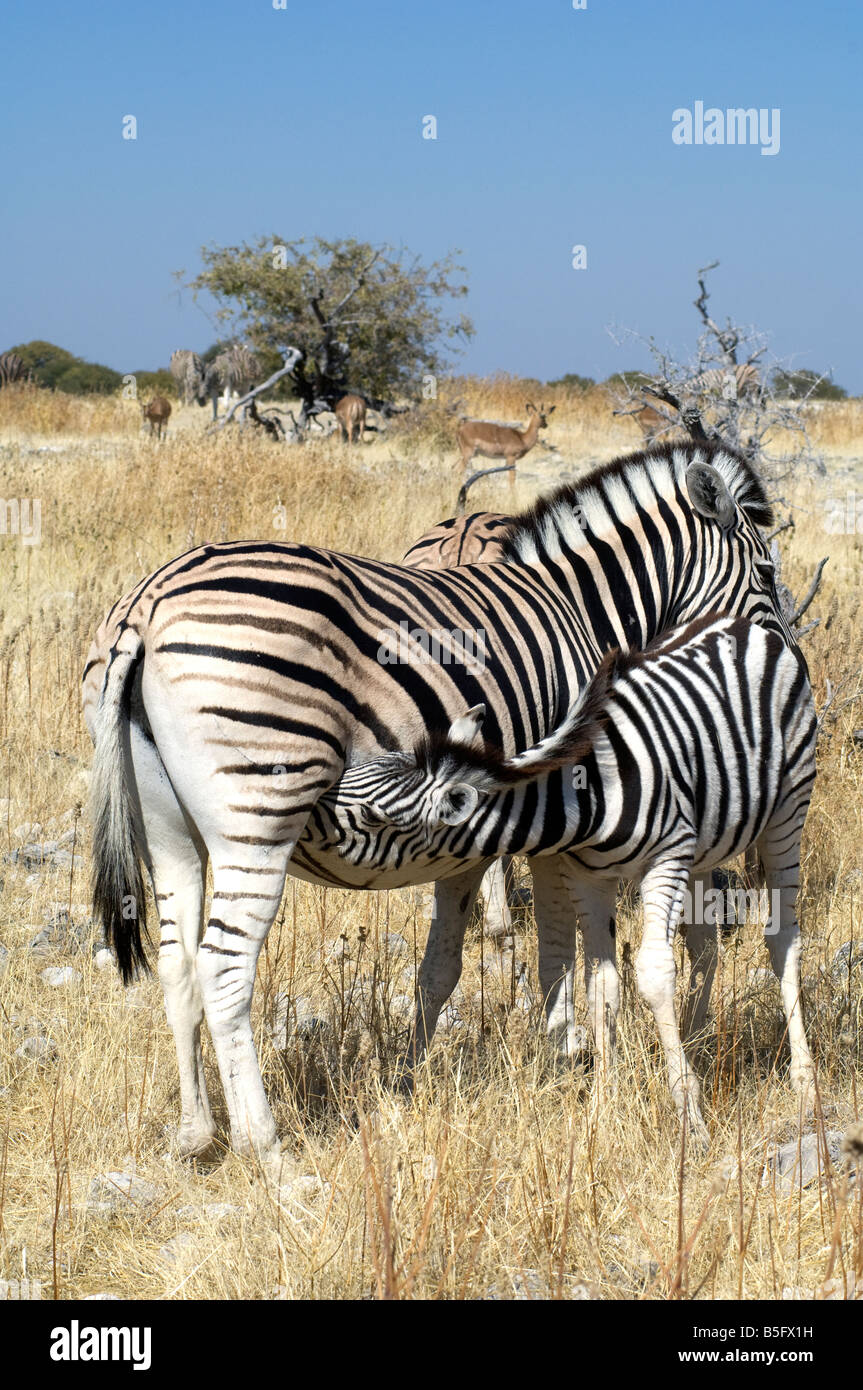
(453, 805)
(710, 495)
(466, 730)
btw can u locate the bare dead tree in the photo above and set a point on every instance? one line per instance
(722, 394)
(292, 356)
(461, 500)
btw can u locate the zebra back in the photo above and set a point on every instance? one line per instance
(461, 540)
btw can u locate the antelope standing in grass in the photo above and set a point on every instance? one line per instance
(501, 441)
(351, 415)
(158, 412)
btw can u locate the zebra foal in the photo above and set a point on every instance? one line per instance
(683, 755)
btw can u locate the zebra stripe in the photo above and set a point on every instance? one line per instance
(462, 540)
(11, 368)
(729, 383)
(472, 540)
(233, 372)
(187, 369)
(687, 754)
(232, 688)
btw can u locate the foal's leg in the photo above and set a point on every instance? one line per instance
(701, 942)
(498, 918)
(441, 964)
(562, 898)
(662, 891)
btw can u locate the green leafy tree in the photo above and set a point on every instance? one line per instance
(88, 378)
(573, 382)
(364, 319)
(158, 383)
(45, 361)
(806, 385)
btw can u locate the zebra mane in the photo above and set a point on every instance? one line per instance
(611, 490)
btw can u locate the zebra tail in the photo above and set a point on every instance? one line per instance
(119, 901)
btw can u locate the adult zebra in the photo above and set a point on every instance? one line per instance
(187, 369)
(230, 690)
(728, 383)
(11, 368)
(687, 753)
(233, 371)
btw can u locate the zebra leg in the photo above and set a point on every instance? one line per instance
(662, 892)
(555, 915)
(498, 918)
(701, 943)
(779, 849)
(176, 860)
(248, 880)
(594, 900)
(441, 964)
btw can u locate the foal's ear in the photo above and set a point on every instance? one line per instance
(453, 805)
(466, 729)
(710, 495)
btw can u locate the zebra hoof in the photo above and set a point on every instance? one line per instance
(697, 1136)
(198, 1144)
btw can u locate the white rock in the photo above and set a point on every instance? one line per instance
(304, 1189)
(28, 830)
(394, 944)
(4, 959)
(36, 1048)
(121, 1191)
(60, 975)
(799, 1162)
(103, 959)
(174, 1250)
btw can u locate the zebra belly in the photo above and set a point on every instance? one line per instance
(323, 865)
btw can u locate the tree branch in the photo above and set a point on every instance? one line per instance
(461, 500)
(292, 357)
(812, 591)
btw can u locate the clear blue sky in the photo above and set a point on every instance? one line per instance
(554, 128)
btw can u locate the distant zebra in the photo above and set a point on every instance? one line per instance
(679, 757)
(717, 383)
(228, 691)
(233, 372)
(187, 369)
(726, 383)
(11, 368)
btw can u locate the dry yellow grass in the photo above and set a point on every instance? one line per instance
(502, 1176)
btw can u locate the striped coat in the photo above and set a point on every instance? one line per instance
(11, 368)
(232, 688)
(674, 759)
